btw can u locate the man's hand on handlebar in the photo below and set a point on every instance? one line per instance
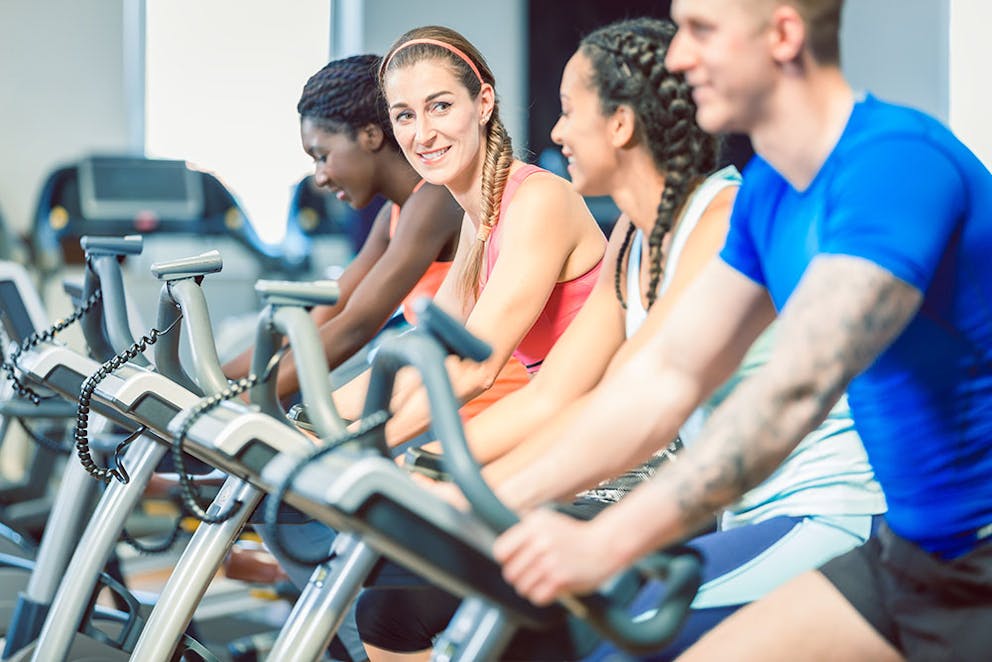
(548, 555)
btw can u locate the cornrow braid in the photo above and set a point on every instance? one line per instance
(628, 62)
(499, 147)
(616, 276)
(344, 96)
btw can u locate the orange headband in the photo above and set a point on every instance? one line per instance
(441, 44)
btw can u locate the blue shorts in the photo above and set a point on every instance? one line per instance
(743, 564)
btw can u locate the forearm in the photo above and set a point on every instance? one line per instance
(339, 344)
(411, 406)
(349, 399)
(506, 424)
(744, 441)
(516, 484)
(239, 366)
(845, 312)
(611, 429)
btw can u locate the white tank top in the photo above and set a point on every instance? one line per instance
(828, 472)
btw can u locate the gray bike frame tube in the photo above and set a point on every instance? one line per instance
(108, 270)
(74, 496)
(207, 368)
(120, 499)
(166, 349)
(267, 343)
(77, 489)
(92, 325)
(94, 549)
(69, 509)
(205, 552)
(479, 630)
(299, 328)
(191, 576)
(321, 607)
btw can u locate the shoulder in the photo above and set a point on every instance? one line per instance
(718, 191)
(539, 191)
(887, 137)
(434, 206)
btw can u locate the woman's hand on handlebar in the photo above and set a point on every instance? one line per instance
(442, 489)
(548, 555)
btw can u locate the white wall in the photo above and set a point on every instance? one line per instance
(62, 76)
(236, 116)
(970, 55)
(930, 54)
(897, 49)
(497, 29)
(63, 73)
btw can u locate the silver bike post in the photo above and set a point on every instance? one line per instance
(119, 499)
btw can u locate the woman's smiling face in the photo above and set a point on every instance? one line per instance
(582, 130)
(438, 125)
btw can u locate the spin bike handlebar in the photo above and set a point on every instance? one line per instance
(425, 349)
(108, 331)
(182, 295)
(286, 315)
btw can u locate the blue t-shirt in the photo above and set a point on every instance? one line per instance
(899, 190)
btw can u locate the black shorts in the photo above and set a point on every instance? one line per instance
(928, 608)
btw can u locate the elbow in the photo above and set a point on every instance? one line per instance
(488, 374)
(807, 399)
(472, 379)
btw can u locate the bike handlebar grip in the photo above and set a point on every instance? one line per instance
(455, 338)
(188, 267)
(74, 290)
(681, 569)
(289, 293)
(128, 245)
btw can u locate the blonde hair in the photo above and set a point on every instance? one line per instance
(438, 42)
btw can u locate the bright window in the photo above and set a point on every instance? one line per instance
(222, 79)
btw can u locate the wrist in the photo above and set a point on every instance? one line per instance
(623, 539)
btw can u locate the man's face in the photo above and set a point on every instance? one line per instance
(724, 49)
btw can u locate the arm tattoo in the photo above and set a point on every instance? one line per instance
(844, 312)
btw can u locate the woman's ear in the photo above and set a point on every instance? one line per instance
(622, 127)
(487, 102)
(371, 138)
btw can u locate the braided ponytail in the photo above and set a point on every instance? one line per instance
(495, 170)
(628, 62)
(620, 265)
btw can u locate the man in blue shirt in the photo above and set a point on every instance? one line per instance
(866, 228)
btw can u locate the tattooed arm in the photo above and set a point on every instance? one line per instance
(844, 312)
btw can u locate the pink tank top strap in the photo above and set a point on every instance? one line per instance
(512, 184)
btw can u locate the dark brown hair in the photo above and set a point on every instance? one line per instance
(628, 69)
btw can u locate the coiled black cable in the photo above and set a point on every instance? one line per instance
(155, 548)
(81, 434)
(365, 425)
(10, 366)
(188, 490)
